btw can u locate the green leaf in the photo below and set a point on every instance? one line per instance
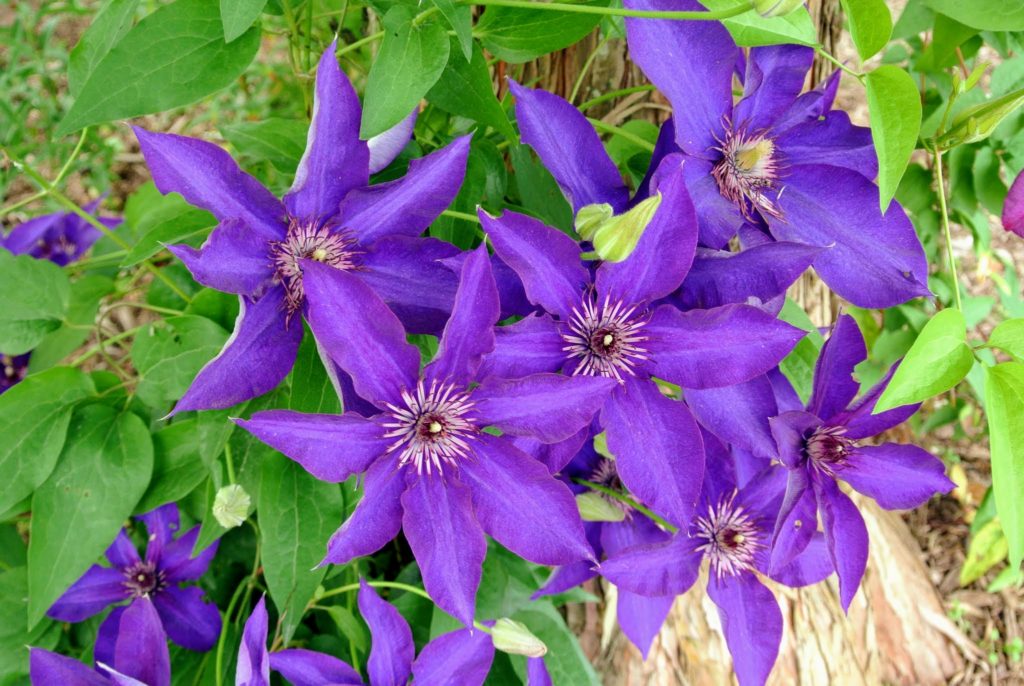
(350, 627)
(178, 468)
(1004, 404)
(238, 15)
(108, 27)
(987, 548)
(411, 59)
(977, 123)
(460, 18)
(168, 222)
(1008, 336)
(466, 89)
(34, 296)
(989, 15)
(169, 353)
(751, 29)
(83, 305)
(15, 635)
(517, 35)
(103, 472)
(298, 514)
(34, 417)
(565, 660)
(538, 190)
(173, 57)
(895, 109)
(278, 141)
(870, 25)
(939, 359)
(311, 388)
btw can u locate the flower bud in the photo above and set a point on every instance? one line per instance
(513, 637)
(776, 8)
(594, 507)
(231, 506)
(615, 236)
(977, 123)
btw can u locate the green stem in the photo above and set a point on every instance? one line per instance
(359, 43)
(455, 214)
(586, 68)
(613, 11)
(230, 462)
(348, 588)
(941, 187)
(113, 258)
(621, 133)
(98, 348)
(605, 97)
(70, 160)
(622, 497)
(827, 55)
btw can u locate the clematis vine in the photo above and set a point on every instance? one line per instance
(331, 215)
(61, 238)
(154, 580)
(432, 470)
(777, 157)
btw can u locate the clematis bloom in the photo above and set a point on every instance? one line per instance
(61, 237)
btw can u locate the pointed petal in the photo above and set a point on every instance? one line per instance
(570, 149)
(309, 668)
(469, 333)
(752, 624)
(360, 333)
(335, 160)
(122, 552)
(25, 238)
(641, 618)
(408, 205)
(234, 259)
(834, 384)
(548, 407)
(391, 647)
(208, 178)
(875, 261)
(386, 146)
(330, 447)
(177, 561)
(458, 658)
(847, 538)
(50, 668)
(98, 588)
(447, 542)
(547, 260)
(663, 147)
(522, 506)
(256, 358)
(790, 430)
(723, 346)
(141, 648)
(796, 523)
(859, 418)
(190, 621)
(833, 140)
(106, 636)
(530, 346)
(738, 414)
(718, 218)
(774, 78)
(162, 524)
(663, 255)
(658, 449)
(377, 518)
(691, 62)
(253, 666)
(811, 566)
(898, 477)
(567, 577)
(659, 569)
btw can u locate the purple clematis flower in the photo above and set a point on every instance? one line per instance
(61, 238)
(431, 469)
(604, 325)
(777, 156)
(153, 580)
(15, 367)
(1013, 208)
(331, 215)
(733, 532)
(822, 443)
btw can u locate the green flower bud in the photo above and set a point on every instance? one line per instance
(513, 637)
(977, 123)
(231, 506)
(594, 507)
(590, 218)
(615, 236)
(776, 8)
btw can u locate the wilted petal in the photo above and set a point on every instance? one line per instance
(309, 668)
(530, 346)
(141, 648)
(774, 78)
(447, 543)
(458, 658)
(570, 148)
(898, 477)
(330, 447)
(98, 588)
(377, 518)
(641, 617)
(253, 666)
(190, 621)
(738, 414)
(847, 538)
(335, 160)
(833, 140)
(752, 624)
(386, 146)
(50, 668)
(391, 646)
(834, 384)
(659, 569)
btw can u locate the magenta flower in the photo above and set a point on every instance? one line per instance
(61, 238)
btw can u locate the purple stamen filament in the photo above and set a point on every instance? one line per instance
(730, 537)
(431, 431)
(606, 339)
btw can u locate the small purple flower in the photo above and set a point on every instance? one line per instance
(431, 469)
(153, 580)
(61, 238)
(14, 369)
(1013, 208)
(331, 215)
(777, 156)
(824, 442)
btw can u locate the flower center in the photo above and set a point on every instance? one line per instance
(828, 449)
(748, 169)
(432, 429)
(143, 578)
(729, 536)
(310, 240)
(607, 340)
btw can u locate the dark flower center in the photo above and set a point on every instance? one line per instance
(729, 537)
(432, 430)
(310, 240)
(749, 168)
(607, 339)
(143, 578)
(829, 449)
(605, 474)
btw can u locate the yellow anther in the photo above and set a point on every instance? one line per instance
(435, 427)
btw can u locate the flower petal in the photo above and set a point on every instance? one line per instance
(253, 666)
(718, 218)
(548, 407)
(658, 449)
(897, 476)
(377, 518)
(141, 648)
(796, 523)
(833, 140)
(774, 78)
(811, 566)
(659, 569)
(330, 447)
(537, 672)
(1013, 209)
(233, 259)
(309, 668)
(122, 552)
(859, 418)
(738, 414)
(50, 668)
(554, 456)
(458, 658)
(447, 542)
(847, 538)
(256, 358)
(522, 506)
(641, 617)
(25, 238)
(722, 346)
(162, 525)
(570, 149)
(790, 430)
(360, 333)
(190, 621)
(547, 260)
(178, 563)
(98, 588)
(208, 178)
(335, 160)
(834, 384)
(386, 146)
(391, 647)
(408, 205)
(530, 346)
(752, 624)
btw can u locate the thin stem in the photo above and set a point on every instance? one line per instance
(622, 497)
(359, 43)
(586, 67)
(622, 133)
(940, 181)
(611, 95)
(827, 55)
(21, 203)
(70, 160)
(98, 348)
(348, 588)
(219, 663)
(230, 462)
(455, 214)
(114, 258)
(613, 11)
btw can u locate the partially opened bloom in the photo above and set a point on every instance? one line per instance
(15, 367)
(61, 238)
(155, 579)
(431, 469)
(823, 443)
(777, 156)
(603, 323)
(331, 215)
